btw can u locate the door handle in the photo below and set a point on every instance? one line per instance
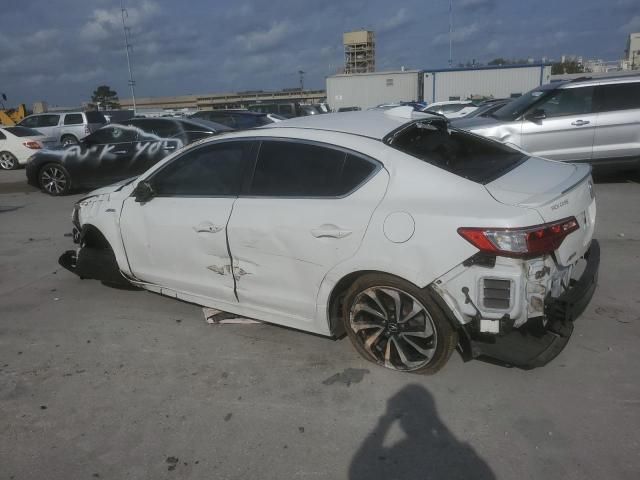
(120, 152)
(330, 231)
(207, 227)
(579, 123)
(168, 148)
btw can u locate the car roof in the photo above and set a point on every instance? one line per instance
(376, 124)
(587, 81)
(187, 122)
(234, 112)
(50, 113)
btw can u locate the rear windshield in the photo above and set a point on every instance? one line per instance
(95, 117)
(461, 153)
(22, 131)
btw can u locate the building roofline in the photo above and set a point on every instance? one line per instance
(486, 67)
(388, 72)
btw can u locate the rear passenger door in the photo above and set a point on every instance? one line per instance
(305, 210)
(618, 130)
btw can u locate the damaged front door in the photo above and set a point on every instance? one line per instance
(178, 238)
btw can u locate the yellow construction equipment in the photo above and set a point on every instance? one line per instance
(12, 116)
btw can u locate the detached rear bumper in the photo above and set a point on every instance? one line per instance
(540, 340)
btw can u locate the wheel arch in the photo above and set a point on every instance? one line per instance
(92, 237)
(334, 302)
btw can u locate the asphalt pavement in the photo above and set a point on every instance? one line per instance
(102, 383)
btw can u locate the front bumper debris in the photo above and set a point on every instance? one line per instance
(541, 339)
(94, 263)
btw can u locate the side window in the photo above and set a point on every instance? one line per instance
(213, 170)
(285, 110)
(290, 169)
(113, 134)
(222, 119)
(454, 107)
(29, 122)
(2, 136)
(159, 128)
(245, 121)
(48, 120)
(568, 101)
(73, 119)
(621, 96)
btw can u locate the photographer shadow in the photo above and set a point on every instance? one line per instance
(428, 452)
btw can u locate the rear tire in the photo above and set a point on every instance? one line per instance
(8, 161)
(395, 324)
(54, 179)
(68, 140)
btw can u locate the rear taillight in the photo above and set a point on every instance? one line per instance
(520, 242)
(87, 130)
(32, 144)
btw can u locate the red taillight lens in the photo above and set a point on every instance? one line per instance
(521, 242)
(33, 145)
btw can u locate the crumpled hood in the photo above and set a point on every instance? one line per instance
(114, 187)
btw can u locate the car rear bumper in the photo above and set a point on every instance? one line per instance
(540, 339)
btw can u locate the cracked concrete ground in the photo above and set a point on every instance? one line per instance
(114, 384)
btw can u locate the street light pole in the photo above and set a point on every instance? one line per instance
(127, 46)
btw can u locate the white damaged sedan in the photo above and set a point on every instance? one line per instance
(410, 236)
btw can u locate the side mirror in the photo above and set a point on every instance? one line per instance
(143, 192)
(536, 115)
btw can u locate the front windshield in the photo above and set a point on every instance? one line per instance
(517, 107)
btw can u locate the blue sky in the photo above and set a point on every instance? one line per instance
(60, 51)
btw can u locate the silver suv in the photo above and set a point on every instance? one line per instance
(68, 127)
(594, 120)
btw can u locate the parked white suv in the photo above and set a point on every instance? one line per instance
(67, 128)
(595, 120)
(408, 235)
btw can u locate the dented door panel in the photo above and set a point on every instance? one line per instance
(282, 248)
(180, 243)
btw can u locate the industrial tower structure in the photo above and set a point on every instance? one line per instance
(359, 51)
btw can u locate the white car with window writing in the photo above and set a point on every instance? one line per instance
(408, 235)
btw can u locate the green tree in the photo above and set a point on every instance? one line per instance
(560, 68)
(105, 98)
(499, 61)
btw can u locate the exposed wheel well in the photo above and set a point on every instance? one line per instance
(338, 292)
(69, 135)
(93, 238)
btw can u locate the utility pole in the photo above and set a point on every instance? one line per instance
(301, 73)
(127, 47)
(450, 33)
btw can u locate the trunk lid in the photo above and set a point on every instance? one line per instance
(556, 191)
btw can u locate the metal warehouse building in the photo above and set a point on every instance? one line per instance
(491, 81)
(366, 90)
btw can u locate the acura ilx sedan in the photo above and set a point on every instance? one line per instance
(409, 236)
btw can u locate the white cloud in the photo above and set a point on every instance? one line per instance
(400, 19)
(263, 40)
(631, 26)
(104, 23)
(459, 34)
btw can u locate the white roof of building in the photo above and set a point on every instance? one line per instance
(369, 123)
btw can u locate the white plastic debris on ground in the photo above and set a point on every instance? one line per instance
(218, 317)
